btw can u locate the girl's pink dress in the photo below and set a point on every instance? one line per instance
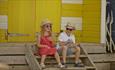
(50, 50)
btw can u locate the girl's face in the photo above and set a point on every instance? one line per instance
(47, 27)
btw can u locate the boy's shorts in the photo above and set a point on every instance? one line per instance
(70, 50)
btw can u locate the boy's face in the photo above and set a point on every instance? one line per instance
(69, 30)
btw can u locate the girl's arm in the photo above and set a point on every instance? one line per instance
(38, 43)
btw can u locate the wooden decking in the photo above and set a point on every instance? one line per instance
(50, 62)
(20, 56)
(98, 55)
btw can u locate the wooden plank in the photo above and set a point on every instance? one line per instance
(90, 44)
(112, 66)
(31, 59)
(12, 60)
(52, 69)
(11, 44)
(102, 57)
(12, 50)
(71, 56)
(19, 67)
(103, 66)
(94, 49)
(88, 61)
(75, 68)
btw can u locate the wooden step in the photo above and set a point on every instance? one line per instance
(13, 60)
(51, 63)
(74, 68)
(94, 49)
(102, 58)
(7, 51)
(90, 67)
(11, 44)
(71, 56)
(19, 67)
(52, 69)
(80, 68)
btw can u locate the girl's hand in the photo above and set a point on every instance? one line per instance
(45, 46)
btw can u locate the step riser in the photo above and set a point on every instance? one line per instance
(13, 54)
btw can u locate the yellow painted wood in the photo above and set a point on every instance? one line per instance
(92, 29)
(91, 14)
(78, 35)
(72, 10)
(3, 7)
(72, 6)
(3, 11)
(91, 21)
(92, 2)
(90, 33)
(2, 35)
(91, 8)
(21, 19)
(91, 39)
(48, 9)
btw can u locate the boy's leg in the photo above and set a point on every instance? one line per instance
(77, 54)
(64, 53)
(77, 57)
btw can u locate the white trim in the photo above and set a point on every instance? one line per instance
(73, 1)
(3, 22)
(103, 20)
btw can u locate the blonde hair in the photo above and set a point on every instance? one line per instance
(45, 22)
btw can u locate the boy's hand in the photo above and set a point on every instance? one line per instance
(78, 44)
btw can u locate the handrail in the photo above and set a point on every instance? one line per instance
(31, 59)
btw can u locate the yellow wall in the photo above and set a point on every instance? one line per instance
(25, 16)
(91, 21)
(3, 37)
(21, 19)
(71, 10)
(3, 7)
(50, 9)
(3, 11)
(90, 12)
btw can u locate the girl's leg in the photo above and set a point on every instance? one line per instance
(43, 57)
(58, 60)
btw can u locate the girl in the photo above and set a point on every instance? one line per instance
(46, 44)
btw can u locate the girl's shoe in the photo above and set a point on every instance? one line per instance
(61, 66)
(42, 66)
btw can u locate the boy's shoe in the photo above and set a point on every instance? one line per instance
(79, 64)
(64, 65)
